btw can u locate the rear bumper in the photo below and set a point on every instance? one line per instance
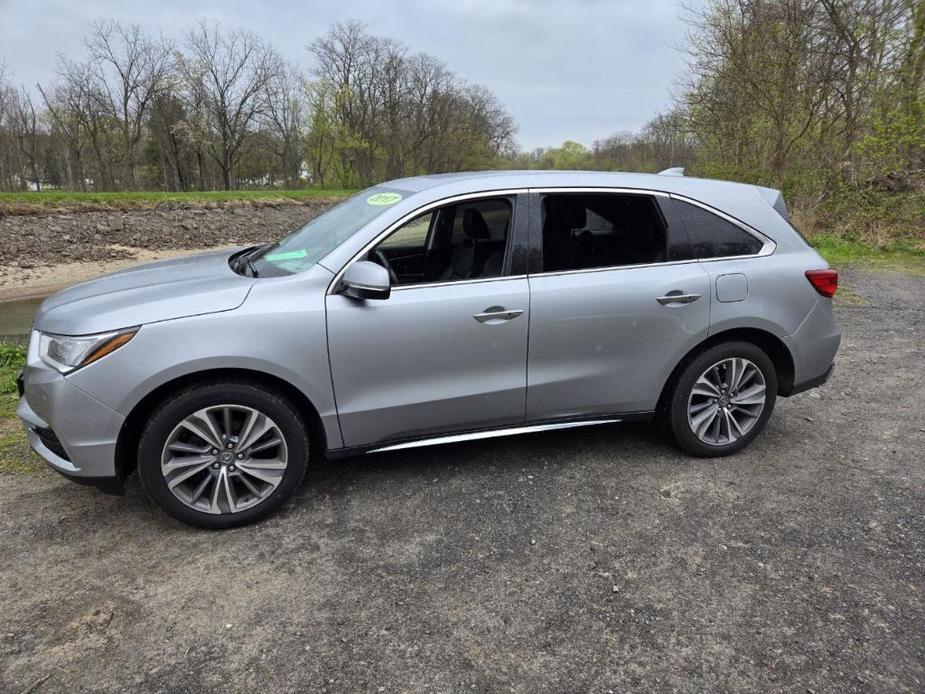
(812, 382)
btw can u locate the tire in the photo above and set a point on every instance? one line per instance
(697, 422)
(259, 467)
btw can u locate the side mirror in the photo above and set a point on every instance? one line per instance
(366, 280)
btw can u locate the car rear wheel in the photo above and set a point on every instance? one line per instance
(222, 455)
(721, 399)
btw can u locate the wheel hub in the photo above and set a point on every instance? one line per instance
(726, 401)
(224, 459)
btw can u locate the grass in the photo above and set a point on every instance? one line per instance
(901, 256)
(877, 229)
(15, 455)
(24, 202)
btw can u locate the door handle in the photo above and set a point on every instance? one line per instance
(677, 298)
(497, 314)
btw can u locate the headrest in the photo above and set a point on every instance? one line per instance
(474, 224)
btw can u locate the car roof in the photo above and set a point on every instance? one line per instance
(474, 181)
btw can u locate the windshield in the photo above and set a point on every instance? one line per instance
(306, 246)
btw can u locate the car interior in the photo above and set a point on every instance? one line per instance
(456, 242)
(582, 231)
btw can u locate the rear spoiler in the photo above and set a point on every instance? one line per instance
(775, 199)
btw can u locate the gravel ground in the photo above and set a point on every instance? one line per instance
(589, 560)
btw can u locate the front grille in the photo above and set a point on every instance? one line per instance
(50, 439)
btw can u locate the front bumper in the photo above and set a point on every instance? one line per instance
(73, 432)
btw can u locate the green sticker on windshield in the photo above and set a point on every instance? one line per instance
(383, 199)
(291, 255)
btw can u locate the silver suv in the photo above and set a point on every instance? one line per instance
(429, 310)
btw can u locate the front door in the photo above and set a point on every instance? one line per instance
(447, 350)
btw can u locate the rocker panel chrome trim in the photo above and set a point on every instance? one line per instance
(492, 433)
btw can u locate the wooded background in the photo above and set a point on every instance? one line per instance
(823, 98)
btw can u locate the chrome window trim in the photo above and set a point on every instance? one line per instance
(612, 268)
(768, 245)
(456, 283)
(417, 213)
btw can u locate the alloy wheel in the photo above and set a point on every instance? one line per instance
(726, 401)
(224, 459)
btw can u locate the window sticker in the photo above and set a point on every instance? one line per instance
(291, 255)
(383, 199)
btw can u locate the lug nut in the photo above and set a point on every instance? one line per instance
(214, 451)
(240, 456)
(229, 445)
(231, 468)
(215, 466)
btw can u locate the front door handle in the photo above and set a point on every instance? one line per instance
(677, 298)
(497, 314)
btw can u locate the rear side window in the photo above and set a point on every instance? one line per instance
(711, 236)
(582, 231)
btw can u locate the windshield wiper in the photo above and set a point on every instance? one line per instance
(246, 259)
(250, 266)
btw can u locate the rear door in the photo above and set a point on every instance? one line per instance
(615, 302)
(447, 350)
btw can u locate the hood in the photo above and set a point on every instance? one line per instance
(158, 291)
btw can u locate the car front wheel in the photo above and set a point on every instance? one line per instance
(721, 400)
(222, 455)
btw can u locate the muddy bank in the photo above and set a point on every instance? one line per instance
(37, 248)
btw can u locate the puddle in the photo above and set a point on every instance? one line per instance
(16, 318)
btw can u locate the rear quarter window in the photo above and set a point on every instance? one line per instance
(711, 236)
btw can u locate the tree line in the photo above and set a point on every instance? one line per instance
(808, 95)
(221, 109)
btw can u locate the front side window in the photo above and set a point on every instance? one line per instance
(711, 236)
(582, 231)
(465, 240)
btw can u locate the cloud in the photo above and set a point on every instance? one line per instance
(579, 69)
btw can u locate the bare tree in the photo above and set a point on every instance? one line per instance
(130, 70)
(25, 128)
(283, 117)
(230, 71)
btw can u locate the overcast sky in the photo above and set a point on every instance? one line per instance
(565, 69)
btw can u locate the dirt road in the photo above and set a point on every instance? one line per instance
(591, 560)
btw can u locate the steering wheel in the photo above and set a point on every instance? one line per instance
(384, 262)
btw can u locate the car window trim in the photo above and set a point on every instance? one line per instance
(428, 207)
(768, 245)
(767, 248)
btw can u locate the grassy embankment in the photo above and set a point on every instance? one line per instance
(870, 228)
(28, 202)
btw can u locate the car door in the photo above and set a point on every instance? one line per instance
(446, 351)
(615, 302)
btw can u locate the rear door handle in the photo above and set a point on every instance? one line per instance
(497, 314)
(677, 298)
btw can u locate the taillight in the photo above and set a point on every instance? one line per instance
(824, 281)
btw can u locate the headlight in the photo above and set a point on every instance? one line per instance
(66, 353)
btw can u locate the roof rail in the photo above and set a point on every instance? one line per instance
(674, 171)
